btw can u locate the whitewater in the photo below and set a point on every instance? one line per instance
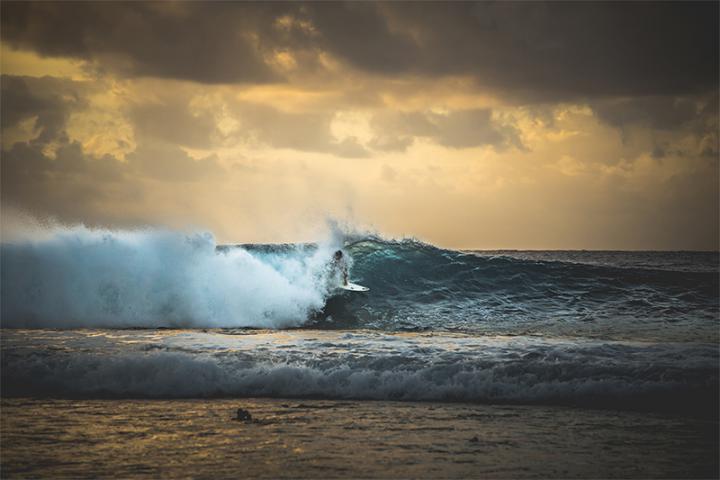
(79, 277)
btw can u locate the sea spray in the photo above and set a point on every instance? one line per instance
(81, 277)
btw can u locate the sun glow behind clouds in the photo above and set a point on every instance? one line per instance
(446, 156)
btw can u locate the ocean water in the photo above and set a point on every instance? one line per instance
(155, 315)
(134, 438)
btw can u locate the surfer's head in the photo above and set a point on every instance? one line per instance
(338, 255)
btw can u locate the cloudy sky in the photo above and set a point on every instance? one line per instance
(469, 125)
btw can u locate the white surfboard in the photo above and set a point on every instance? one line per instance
(354, 287)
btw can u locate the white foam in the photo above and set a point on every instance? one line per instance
(81, 277)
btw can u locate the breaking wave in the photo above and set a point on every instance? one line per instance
(79, 277)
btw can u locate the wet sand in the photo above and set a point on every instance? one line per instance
(349, 439)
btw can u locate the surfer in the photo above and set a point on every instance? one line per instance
(340, 265)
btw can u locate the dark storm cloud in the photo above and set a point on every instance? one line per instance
(457, 129)
(168, 162)
(49, 100)
(359, 33)
(664, 113)
(471, 128)
(72, 185)
(695, 116)
(175, 123)
(534, 51)
(310, 132)
(551, 51)
(161, 128)
(396, 131)
(209, 44)
(67, 186)
(392, 131)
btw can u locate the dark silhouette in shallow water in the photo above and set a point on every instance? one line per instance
(243, 415)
